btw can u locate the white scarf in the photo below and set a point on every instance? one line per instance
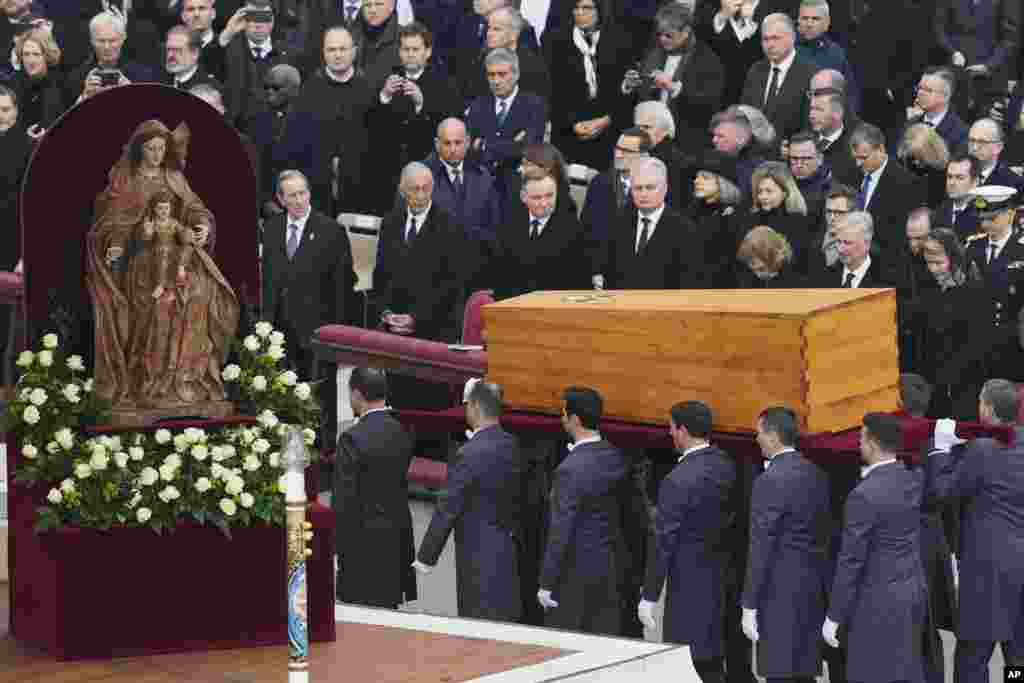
(589, 57)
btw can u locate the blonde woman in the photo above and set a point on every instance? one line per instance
(925, 154)
(38, 82)
(778, 204)
(768, 258)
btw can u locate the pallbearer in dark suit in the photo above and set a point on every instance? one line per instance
(695, 513)
(784, 596)
(878, 594)
(654, 246)
(580, 575)
(988, 480)
(485, 490)
(374, 525)
(308, 280)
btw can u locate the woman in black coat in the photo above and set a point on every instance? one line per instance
(778, 204)
(925, 154)
(587, 64)
(955, 328)
(768, 258)
(38, 83)
(715, 200)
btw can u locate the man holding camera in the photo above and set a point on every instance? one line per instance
(106, 69)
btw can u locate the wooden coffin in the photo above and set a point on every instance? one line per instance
(830, 354)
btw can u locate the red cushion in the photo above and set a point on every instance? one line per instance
(431, 474)
(12, 286)
(472, 319)
(402, 348)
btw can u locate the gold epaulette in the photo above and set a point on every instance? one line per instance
(975, 236)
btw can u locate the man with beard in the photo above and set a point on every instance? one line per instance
(181, 59)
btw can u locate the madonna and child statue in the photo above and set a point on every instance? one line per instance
(165, 316)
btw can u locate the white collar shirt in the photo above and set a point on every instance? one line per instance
(541, 223)
(654, 217)
(299, 223)
(507, 100)
(876, 177)
(783, 68)
(859, 273)
(864, 471)
(693, 449)
(589, 439)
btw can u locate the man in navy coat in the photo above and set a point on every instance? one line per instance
(784, 596)
(988, 480)
(485, 487)
(580, 575)
(878, 594)
(502, 123)
(695, 513)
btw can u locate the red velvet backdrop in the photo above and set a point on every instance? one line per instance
(69, 169)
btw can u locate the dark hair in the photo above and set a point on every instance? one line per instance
(961, 157)
(955, 252)
(585, 403)
(1002, 395)
(835, 97)
(886, 429)
(841, 191)
(805, 136)
(7, 92)
(547, 156)
(488, 398)
(194, 38)
(915, 393)
(604, 13)
(372, 383)
(693, 415)
(867, 134)
(782, 422)
(160, 197)
(640, 134)
(415, 29)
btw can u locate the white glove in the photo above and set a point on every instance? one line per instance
(956, 574)
(597, 281)
(645, 613)
(421, 568)
(544, 598)
(945, 435)
(830, 632)
(750, 624)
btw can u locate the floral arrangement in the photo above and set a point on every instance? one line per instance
(229, 477)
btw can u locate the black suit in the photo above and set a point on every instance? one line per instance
(533, 76)
(898, 193)
(374, 525)
(672, 259)
(787, 109)
(243, 74)
(965, 221)
(200, 77)
(556, 259)
(876, 277)
(422, 278)
(840, 158)
(314, 288)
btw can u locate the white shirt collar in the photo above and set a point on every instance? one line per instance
(451, 168)
(693, 449)
(783, 67)
(999, 245)
(337, 79)
(859, 273)
(864, 471)
(373, 410)
(507, 100)
(589, 439)
(542, 222)
(768, 461)
(835, 136)
(421, 217)
(299, 223)
(655, 216)
(936, 119)
(185, 75)
(876, 175)
(208, 37)
(264, 49)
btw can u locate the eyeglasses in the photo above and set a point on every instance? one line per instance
(979, 141)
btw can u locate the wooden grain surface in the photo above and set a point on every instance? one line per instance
(376, 654)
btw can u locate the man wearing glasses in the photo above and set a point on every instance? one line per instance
(813, 176)
(985, 142)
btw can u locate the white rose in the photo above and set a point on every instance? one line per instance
(263, 329)
(37, 397)
(50, 341)
(55, 496)
(25, 393)
(231, 373)
(83, 471)
(203, 485)
(234, 485)
(136, 453)
(247, 500)
(99, 460)
(282, 483)
(45, 358)
(31, 415)
(308, 436)
(114, 443)
(251, 343)
(276, 352)
(29, 451)
(200, 452)
(136, 499)
(274, 459)
(195, 435)
(228, 506)
(268, 419)
(149, 476)
(288, 378)
(52, 448)
(75, 363)
(277, 338)
(71, 392)
(248, 436)
(143, 515)
(261, 446)
(65, 438)
(25, 359)
(167, 472)
(251, 463)
(228, 451)
(168, 494)
(174, 460)
(162, 436)
(216, 471)
(106, 442)
(302, 391)
(180, 443)
(87, 387)
(121, 458)
(259, 383)
(67, 486)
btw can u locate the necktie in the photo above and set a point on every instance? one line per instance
(293, 240)
(865, 188)
(824, 143)
(457, 180)
(502, 112)
(534, 228)
(848, 282)
(991, 252)
(773, 84)
(644, 232)
(410, 234)
(258, 53)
